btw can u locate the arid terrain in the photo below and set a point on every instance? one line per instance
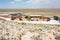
(44, 12)
(10, 30)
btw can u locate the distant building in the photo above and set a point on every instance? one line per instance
(39, 17)
(24, 17)
(16, 15)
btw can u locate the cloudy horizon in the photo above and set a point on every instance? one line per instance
(7, 4)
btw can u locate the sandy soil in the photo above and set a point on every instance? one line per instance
(10, 30)
(44, 12)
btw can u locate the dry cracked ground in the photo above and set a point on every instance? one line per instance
(10, 30)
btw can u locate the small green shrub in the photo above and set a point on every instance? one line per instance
(56, 18)
(12, 18)
(26, 17)
(29, 18)
(20, 19)
(59, 18)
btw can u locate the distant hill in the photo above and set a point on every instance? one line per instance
(49, 12)
(39, 10)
